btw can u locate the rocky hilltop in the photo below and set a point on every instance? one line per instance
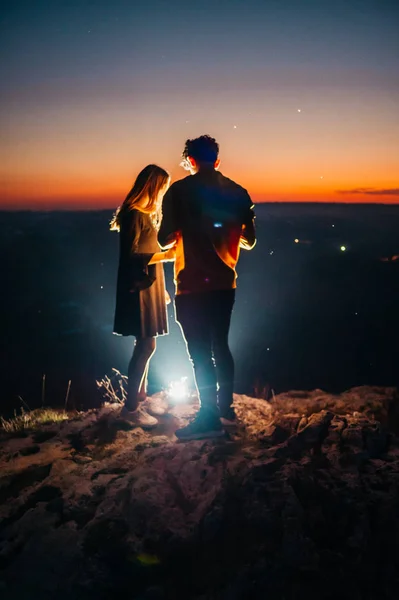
(301, 501)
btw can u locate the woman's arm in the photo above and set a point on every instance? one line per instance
(137, 274)
(248, 234)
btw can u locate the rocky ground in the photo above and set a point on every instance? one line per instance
(300, 502)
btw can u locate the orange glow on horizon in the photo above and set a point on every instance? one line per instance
(106, 187)
(88, 158)
(112, 200)
(89, 196)
(302, 100)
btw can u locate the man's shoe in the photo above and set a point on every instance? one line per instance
(139, 417)
(203, 426)
(228, 416)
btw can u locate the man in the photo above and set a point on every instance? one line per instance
(208, 218)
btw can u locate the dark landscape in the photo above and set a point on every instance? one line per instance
(299, 501)
(308, 315)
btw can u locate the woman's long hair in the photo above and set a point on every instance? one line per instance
(148, 184)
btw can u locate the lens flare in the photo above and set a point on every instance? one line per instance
(178, 390)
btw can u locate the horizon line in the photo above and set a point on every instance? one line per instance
(258, 202)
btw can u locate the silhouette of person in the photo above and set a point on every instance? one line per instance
(207, 218)
(141, 295)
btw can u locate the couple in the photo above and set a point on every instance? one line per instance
(204, 221)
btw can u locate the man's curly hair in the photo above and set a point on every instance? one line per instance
(203, 149)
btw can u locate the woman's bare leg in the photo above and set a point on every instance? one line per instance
(144, 348)
(144, 383)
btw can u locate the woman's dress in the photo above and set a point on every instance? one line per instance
(140, 297)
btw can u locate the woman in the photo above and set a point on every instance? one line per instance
(141, 294)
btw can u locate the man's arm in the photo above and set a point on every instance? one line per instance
(160, 257)
(168, 230)
(248, 234)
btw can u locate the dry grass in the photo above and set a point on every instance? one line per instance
(32, 420)
(113, 389)
(262, 390)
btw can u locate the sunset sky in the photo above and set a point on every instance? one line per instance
(302, 96)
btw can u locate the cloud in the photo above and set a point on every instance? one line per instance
(371, 191)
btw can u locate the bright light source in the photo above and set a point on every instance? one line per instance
(218, 225)
(296, 241)
(178, 390)
(343, 248)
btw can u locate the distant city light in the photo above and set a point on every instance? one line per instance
(296, 241)
(299, 110)
(217, 224)
(332, 225)
(343, 248)
(101, 287)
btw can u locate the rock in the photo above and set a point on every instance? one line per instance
(29, 450)
(302, 502)
(311, 437)
(82, 459)
(13, 484)
(376, 440)
(280, 429)
(105, 537)
(43, 436)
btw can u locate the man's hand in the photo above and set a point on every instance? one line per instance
(167, 297)
(170, 254)
(160, 257)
